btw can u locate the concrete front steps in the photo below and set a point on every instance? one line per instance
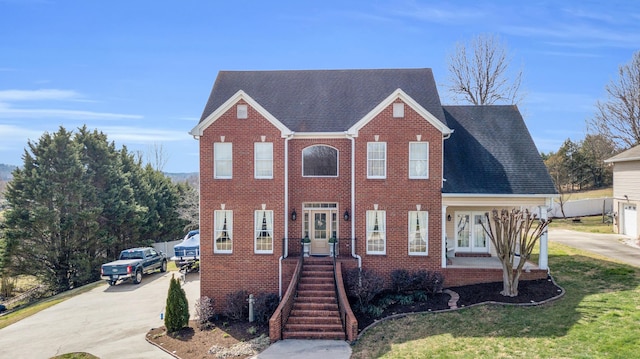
(315, 313)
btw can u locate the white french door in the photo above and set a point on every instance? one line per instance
(470, 236)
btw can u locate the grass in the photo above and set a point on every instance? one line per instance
(81, 355)
(597, 318)
(43, 304)
(596, 193)
(592, 224)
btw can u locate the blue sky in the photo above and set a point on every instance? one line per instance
(141, 71)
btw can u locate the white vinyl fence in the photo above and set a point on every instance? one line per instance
(583, 207)
(166, 247)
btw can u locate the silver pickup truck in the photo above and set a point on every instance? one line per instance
(132, 263)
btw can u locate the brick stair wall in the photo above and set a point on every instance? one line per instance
(315, 313)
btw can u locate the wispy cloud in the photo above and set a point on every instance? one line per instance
(8, 99)
(143, 135)
(43, 113)
(439, 13)
(37, 95)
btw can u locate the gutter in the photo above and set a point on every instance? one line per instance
(353, 200)
(286, 209)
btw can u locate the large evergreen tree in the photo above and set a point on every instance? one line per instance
(77, 202)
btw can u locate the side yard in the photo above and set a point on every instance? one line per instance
(597, 317)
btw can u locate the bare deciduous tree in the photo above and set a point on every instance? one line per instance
(513, 234)
(479, 72)
(618, 117)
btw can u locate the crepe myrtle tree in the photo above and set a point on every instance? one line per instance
(513, 233)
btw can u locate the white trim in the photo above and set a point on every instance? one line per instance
(320, 135)
(410, 232)
(409, 159)
(255, 160)
(399, 94)
(256, 230)
(318, 176)
(490, 195)
(198, 130)
(384, 175)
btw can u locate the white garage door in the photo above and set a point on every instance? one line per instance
(630, 221)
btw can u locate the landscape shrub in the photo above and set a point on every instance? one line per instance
(401, 280)
(431, 282)
(205, 312)
(264, 306)
(363, 284)
(177, 310)
(236, 305)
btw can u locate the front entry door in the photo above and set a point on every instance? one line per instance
(320, 229)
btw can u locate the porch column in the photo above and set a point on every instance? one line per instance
(543, 260)
(444, 236)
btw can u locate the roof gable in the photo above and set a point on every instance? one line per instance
(632, 154)
(492, 152)
(399, 94)
(227, 105)
(323, 100)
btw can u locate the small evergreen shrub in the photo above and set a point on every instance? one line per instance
(177, 309)
(431, 282)
(420, 296)
(363, 284)
(236, 305)
(401, 280)
(205, 312)
(264, 306)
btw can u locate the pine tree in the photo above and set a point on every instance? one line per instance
(177, 309)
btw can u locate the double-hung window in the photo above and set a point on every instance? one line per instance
(263, 158)
(263, 229)
(418, 159)
(376, 232)
(418, 224)
(222, 158)
(223, 232)
(376, 159)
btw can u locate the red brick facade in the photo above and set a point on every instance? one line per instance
(222, 274)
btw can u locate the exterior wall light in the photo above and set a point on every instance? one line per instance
(346, 215)
(294, 215)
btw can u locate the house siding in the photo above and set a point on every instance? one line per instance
(626, 182)
(243, 194)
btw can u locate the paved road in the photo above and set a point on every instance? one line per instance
(608, 245)
(109, 322)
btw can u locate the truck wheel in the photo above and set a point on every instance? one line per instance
(112, 282)
(138, 277)
(163, 268)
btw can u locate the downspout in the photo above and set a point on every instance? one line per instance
(286, 212)
(445, 136)
(353, 201)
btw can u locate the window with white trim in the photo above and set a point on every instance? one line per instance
(222, 160)
(263, 226)
(418, 235)
(320, 161)
(263, 159)
(376, 232)
(376, 159)
(223, 231)
(419, 160)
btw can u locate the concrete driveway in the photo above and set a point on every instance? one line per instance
(109, 322)
(608, 245)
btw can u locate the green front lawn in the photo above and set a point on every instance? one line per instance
(599, 317)
(592, 224)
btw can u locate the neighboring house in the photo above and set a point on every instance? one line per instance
(626, 191)
(370, 157)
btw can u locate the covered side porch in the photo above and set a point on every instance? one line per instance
(468, 255)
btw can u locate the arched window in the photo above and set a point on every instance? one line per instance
(320, 161)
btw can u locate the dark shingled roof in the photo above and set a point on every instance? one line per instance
(491, 152)
(324, 100)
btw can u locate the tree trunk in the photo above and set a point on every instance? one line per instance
(510, 281)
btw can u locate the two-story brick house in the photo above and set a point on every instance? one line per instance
(369, 157)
